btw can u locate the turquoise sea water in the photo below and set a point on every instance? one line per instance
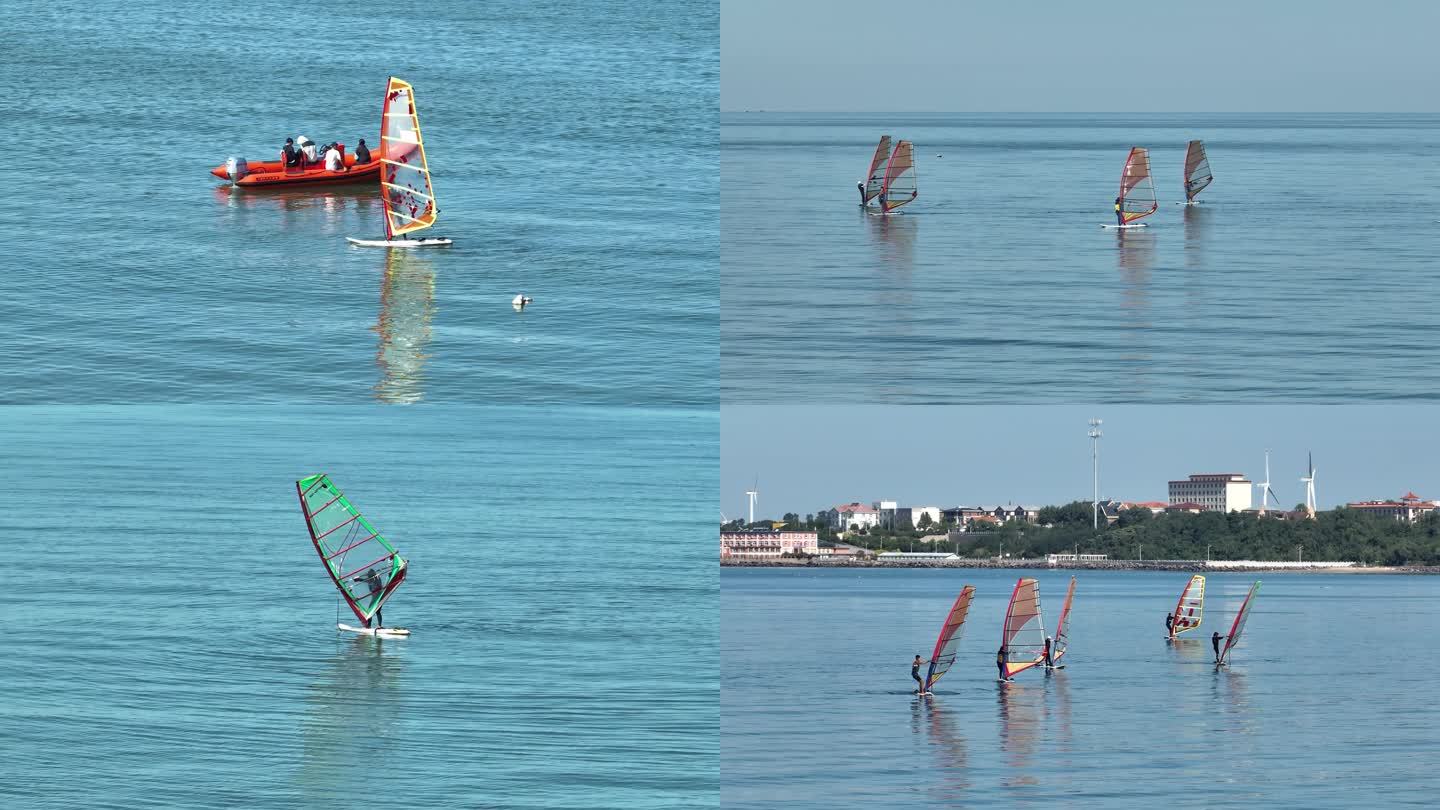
(1326, 704)
(1303, 276)
(573, 153)
(169, 631)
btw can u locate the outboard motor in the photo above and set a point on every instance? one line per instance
(236, 168)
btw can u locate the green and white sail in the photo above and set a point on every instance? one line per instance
(360, 561)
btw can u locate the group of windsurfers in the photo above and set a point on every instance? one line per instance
(304, 153)
(1002, 657)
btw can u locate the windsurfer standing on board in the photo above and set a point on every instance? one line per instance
(1170, 625)
(1000, 661)
(915, 673)
(1215, 642)
(861, 185)
(371, 579)
(1119, 211)
(1049, 662)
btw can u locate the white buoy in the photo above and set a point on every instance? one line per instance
(519, 302)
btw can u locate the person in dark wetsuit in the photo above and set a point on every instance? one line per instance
(1119, 212)
(371, 580)
(915, 673)
(1000, 661)
(290, 155)
(861, 185)
(362, 152)
(1170, 625)
(1049, 662)
(1215, 642)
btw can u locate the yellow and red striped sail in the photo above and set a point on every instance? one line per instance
(1024, 635)
(1062, 627)
(948, 644)
(875, 179)
(900, 183)
(1191, 607)
(1137, 189)
(405, 176)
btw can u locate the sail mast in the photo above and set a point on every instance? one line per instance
(1190, 609)
(1197, 169)
(1137, 190)
(948, 644)
(1024, 634)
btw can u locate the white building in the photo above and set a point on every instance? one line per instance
(908, 517)
(1408, 509)
(853, 514)
(760, 545)
(1216, 492)
(886, 512)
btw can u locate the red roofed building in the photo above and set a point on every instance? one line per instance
(1192, 508)
(853, 514)
(1409, 508)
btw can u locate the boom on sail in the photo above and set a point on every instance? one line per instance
(1191, 607)
(1239, 625)
(948, 644)
(1197, 170)
(361, 563)
(1024, 634)
(1062, 627)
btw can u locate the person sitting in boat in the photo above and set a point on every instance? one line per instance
(334, 158)
(371, 580)
(291, 156)
(1215, 642)
(915, 673)
(1170, 625)
(1119, 211)
(1000, 661)
(362, 152)
(308, 149)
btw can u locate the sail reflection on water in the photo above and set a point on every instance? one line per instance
(353, 710)
(407, 304)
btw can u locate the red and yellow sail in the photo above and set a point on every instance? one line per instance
(948, 644)
(1024, 634)
(1137, 189)
(1191, 607)
(900, 181)
(1062, 627)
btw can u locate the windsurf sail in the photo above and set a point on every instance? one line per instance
(1137, 190)
(875, 178)
(1197, 169)
(899, 187)
(405, 176)
(1024, 636)
(1062, 627)
(361, 563)
(947, 645)
(1190, 608)
(1239, 625)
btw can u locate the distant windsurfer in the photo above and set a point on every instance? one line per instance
(1049, 662)
(1119, 211)
(861, 185)
(1170, 625)
(371, 579)
(915, 673)
(1215, 642)
(362, 152)
(1000, 661)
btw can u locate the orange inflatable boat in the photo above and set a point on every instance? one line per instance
(249, 174)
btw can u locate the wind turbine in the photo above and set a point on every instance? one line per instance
(1309, 482)
(1265, 490)
(752, 494)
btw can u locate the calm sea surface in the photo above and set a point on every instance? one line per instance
(1306, 275)
(169, 632)
(574, 156)
(1327, 704)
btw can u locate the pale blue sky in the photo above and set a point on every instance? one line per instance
(810, 458)
(1059, 56)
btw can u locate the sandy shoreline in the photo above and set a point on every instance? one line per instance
(1192, 566)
